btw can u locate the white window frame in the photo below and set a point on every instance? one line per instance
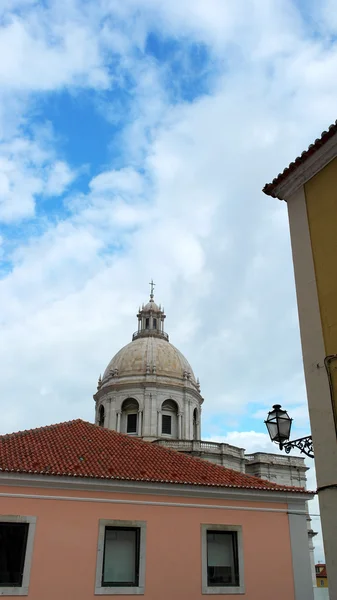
(128, 590)
(206, 589)
(23, 589)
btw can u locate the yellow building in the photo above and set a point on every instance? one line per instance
(321, 575)
(309, 186)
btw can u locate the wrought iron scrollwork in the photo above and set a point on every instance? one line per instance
(304, 444)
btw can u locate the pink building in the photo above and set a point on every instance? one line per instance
(86, 511)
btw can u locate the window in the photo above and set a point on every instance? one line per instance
(222, 558)
(131, 426)
(154, 323)
(322, 582)
(13, 542)
(166, 424)
(147, 323)
(129, 419)
(16, 544)
(101, 416)
(121, 558)
(195, 424)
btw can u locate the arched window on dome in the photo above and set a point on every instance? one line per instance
(101, 416)
(195, 424)
(169, 418)
(130, 410)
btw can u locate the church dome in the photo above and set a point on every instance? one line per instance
(149, 355)
(149, 388)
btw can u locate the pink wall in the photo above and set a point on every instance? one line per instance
(65, 547)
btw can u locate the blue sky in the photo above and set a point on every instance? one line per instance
(135, 139)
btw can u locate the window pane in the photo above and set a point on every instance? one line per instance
(222, 564)
(166, 424)
(13, 541)
(120, 565)
(131, 423)
(101, 416)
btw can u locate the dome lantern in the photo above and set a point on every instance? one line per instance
(151, 319)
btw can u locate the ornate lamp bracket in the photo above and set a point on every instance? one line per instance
(304, 444)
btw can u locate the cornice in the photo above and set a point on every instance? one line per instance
(307, 170)
(77, 484)
(147, 382)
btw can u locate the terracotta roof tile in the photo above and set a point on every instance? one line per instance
(269, 188)
(81, 449)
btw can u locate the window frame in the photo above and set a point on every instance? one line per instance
(101, 589)
(129, 414)
(24, 588)
(162, 424)
(207, 589)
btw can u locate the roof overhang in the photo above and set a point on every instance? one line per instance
(78, 484)
(311, 161)
(117, 486)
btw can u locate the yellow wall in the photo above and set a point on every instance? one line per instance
(319, 581)
(321, 201)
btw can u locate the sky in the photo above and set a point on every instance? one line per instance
(135, 139)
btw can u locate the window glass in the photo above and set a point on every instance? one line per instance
(13, 542)
(121, 557)
(166, 424)
(101, 416)
(222, 560)
(131, 426)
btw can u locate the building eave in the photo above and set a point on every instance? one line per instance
(305, 166)
(30, 480)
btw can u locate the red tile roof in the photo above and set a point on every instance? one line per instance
(81, 449)
(270, 188)
(322, 572)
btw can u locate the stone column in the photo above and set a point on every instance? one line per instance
(140, 422)
(118, 427)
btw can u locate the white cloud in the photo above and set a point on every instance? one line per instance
(60, 54)
(58, 178)
(29, 170)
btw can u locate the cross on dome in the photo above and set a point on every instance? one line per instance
(152, 284)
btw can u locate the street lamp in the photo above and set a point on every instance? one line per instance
(279, 425)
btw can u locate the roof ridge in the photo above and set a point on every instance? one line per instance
(22, 432)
